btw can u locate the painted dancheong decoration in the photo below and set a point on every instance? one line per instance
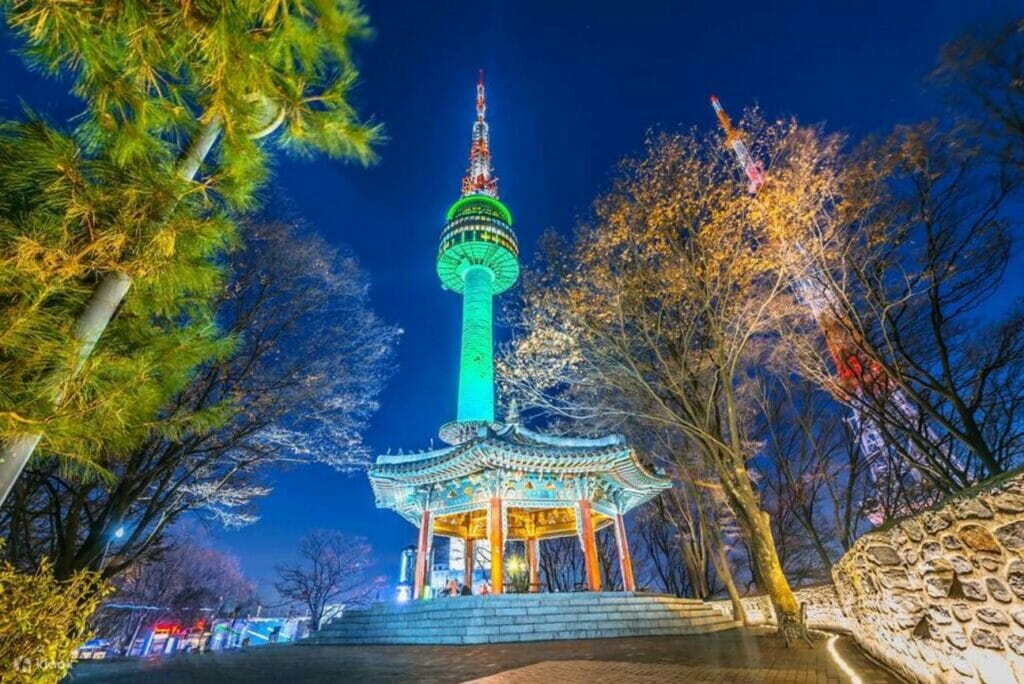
(500, 481)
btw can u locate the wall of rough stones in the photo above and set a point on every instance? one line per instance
(939, 597)
(823, 609)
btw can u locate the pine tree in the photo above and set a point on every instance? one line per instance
(116, 202)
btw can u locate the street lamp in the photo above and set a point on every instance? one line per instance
(118, 534)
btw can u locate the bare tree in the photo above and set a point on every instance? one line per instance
(561, 564)
(185, 582)
(608, 560)
(300, 363)
(334, 569)
(813, 469)
(984, 72)
(915, 271)
(657, 556)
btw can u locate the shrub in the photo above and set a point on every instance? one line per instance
(43, 620)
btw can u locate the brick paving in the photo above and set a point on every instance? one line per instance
(735, 657)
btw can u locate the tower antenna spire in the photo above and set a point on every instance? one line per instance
(480, 178)
(478, 258)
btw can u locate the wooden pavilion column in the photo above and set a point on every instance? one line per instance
(531, 559)
(422, 551)
(496, 539)
(468, 579)
(589, 543)
(625, 560)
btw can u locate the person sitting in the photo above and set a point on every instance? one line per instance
(467, 590)
(453, 588)
(485, 589)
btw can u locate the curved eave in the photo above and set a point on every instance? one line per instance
(393, 482)
(485, 455)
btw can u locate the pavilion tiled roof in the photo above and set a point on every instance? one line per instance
(515, 449)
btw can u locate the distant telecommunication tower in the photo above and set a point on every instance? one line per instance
(861, 378)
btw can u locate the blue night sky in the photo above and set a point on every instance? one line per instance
(572, 88)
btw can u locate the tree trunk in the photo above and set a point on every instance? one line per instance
(757, 528)
(766, 557)
(698, 581)
(719, 558)
(723, 570)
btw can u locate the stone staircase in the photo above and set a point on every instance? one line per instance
(523, 617)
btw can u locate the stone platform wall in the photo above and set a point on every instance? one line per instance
(823, 609)
(939, 597)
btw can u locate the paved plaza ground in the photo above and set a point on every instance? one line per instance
(738, 656)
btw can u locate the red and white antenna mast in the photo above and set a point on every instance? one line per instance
(753, 170)
(480, 178)
(860, 378)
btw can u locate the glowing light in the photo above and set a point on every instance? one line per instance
(516, 565)
(476, 372)
(480, 200)
(843, 665)
(119, 532)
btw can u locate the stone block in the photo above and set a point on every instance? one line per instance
(972, 508)
(998, 590)
(992, 616)
(978, 538)
(1009, 503)
(986, 638)
(1011, 535)
(935, 522)
(883, 554)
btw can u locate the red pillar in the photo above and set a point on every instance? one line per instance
(468, 579)
(589, 546)
(496, 538)
(625, 560)
(421, 556)
(531, 558)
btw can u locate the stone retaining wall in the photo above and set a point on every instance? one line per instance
(939, 597)
(823, 609)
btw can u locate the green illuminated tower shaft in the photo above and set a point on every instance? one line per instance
(476, 370)
(478, 258)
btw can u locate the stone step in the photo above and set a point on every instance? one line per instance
(608, 633)
(532, 612)
(456, 626)
(526, 601)
(551, 631)
(492, 619)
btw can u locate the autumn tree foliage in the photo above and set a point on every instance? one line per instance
(922, 246)
(668, 299)
(42, 621)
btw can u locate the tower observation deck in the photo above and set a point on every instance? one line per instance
(478, 258)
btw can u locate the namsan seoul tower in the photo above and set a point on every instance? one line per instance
(478, 258)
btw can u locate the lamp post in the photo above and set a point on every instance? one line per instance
(118, 534)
